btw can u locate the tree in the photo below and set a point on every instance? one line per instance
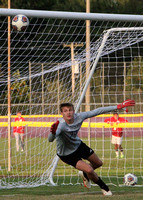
(134, 80)
(19, 89)
(34, 4)
(3, 3)
(133, 6)
(97, 6)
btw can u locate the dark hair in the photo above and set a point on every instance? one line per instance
(66, 105)
(115, 112)
(18, 112)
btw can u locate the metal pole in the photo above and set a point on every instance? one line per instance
(124, 81)
(9, 96)
(58, 83)
(103, 84)
(103, 142)
(72, 59)
(42, 89)
(80, 83)
(30, 85)
(87, 96)
(26, 131)
(72, 46)
(72, 15)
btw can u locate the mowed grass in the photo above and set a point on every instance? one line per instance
(74, 192)
(40, 154)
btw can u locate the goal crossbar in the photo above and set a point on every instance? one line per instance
(71, 15)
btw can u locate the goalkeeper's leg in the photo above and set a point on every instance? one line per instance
(89, 170)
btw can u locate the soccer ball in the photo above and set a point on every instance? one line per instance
(130, 179)
(20, 22)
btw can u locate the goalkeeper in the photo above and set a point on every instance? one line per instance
(72, 150)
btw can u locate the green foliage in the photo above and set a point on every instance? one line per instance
(101, 6)
(33, 4)
(117, 6)
(19, 89)
(105, 6)
(61, 91)
(70, 5)
(133, 6)
(3, 3)
(134, 80)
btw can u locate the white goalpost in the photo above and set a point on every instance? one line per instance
(48, 67)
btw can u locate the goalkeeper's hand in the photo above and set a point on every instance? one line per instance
(126, 103)
(54, 127)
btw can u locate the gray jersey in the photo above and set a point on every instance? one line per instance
(66, 134)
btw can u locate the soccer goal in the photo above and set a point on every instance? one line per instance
(53, 61)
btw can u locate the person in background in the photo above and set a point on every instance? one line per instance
(19, 133)
(117, 133)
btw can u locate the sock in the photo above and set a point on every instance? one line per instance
(85, 175)
(117, 153)
(102, 185)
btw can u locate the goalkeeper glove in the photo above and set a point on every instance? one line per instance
(54, 127)
(125, 104)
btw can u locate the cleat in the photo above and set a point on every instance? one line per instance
(105, 193)
(86, 182)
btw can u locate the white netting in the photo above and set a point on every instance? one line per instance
(42, 76)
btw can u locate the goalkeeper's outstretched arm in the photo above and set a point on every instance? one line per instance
(107, 109)
(95, 112)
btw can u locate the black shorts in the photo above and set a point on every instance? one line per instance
(83, 151)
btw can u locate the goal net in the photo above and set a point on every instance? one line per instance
(50, 63)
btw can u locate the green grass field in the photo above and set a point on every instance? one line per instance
(70, 192)
(112, 171)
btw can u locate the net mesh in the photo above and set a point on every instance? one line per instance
(48, 67)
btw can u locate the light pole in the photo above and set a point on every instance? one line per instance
(72, 46)
(87, 96)
(9, 95)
